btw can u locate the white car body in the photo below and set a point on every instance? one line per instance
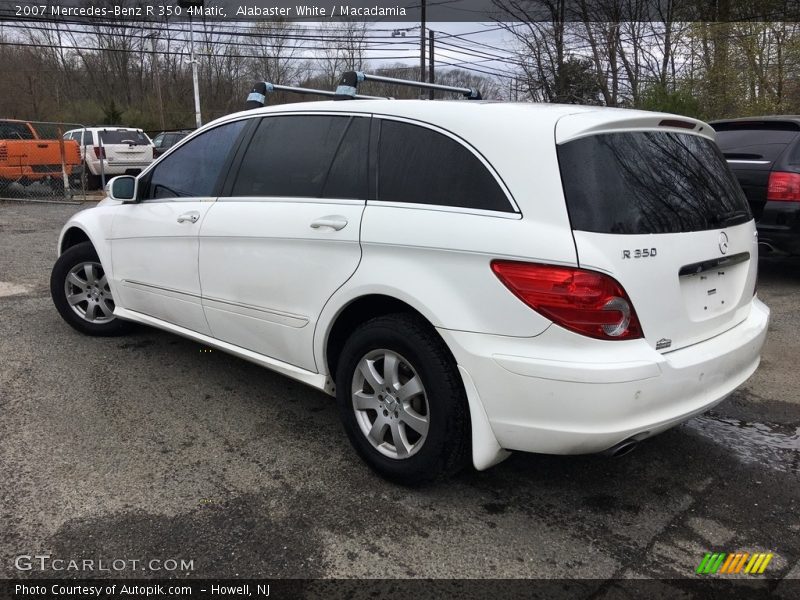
(109, 159)
(250, 276)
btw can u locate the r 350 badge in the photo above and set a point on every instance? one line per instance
(640, 253)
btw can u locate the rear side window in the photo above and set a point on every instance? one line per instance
(754, 144)
(308, 156)
(136, 138)
(649, 182)
(419, 165)
(84, 138)
(192, 170)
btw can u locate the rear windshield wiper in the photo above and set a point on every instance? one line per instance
(736, 217)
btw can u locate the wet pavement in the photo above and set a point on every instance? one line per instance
(145, 447)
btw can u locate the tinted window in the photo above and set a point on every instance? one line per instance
(348, 174)
(84, 138)
(754, 144)
(14, 131)
(124, 137)
(293, 156)
(193, 169)
(649, 182)
(423, 166)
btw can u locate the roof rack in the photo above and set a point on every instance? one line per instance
(258, 95)
(348, 85)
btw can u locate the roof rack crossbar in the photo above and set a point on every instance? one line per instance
(348, 85)
(258, 95)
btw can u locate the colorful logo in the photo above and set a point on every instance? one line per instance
(734, 563)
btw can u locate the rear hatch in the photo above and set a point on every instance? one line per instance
(653, 203)
(751, 149)
(126, 146)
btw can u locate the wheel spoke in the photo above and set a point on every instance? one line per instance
(401, 444)
(415, 420)
(367, 368)
(74, 299)
(88, 270)
(365, 401)
(410, 388)
(391, 369)
(102, 282)
(106, 309)
(76, 281)
(378, 430)
(91, 310)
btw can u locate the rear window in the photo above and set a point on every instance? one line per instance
(754, 144)
(124, 137)
(649, 182)
(14, 131)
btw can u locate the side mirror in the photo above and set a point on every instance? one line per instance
(122, 188)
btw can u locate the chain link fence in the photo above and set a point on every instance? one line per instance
(50, 161)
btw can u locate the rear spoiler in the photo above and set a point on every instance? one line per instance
(583, 124)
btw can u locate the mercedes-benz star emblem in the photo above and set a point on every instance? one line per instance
(723, 242)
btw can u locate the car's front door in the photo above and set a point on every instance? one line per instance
(285, 233)
(154, 243)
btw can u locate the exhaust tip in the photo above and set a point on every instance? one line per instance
(622, 448)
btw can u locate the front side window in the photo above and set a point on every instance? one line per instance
(307, 156)
(194, 169)
(419, 165)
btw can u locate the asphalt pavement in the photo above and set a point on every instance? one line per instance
(147, 447)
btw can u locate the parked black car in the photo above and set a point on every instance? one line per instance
(764, 154)
(167, 139)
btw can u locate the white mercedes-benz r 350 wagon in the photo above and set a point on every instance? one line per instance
(467, 278)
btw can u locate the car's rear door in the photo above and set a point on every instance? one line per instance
(657, 208)
(154, 243)
(284, 235)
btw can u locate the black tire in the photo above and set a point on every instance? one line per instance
(57, 185)
(446, 448)
(90, 180)
(73, 257)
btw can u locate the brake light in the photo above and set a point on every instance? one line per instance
(784, 187)
(99, 152)
(586, 302)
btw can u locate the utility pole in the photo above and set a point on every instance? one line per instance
(431, 75)
(157, 75)
(422, 42)
(197, 117)
(190, 6)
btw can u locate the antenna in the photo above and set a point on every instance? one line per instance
(348, 85)
(258, 95)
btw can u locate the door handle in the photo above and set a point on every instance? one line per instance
(334, 222)
(191, 216)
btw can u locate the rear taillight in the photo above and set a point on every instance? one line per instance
(784, 187)
(586, 302)
(99, 152)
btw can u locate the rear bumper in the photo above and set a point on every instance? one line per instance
(35, 172)
(779, 226)
(117, 167)
(589, 396)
